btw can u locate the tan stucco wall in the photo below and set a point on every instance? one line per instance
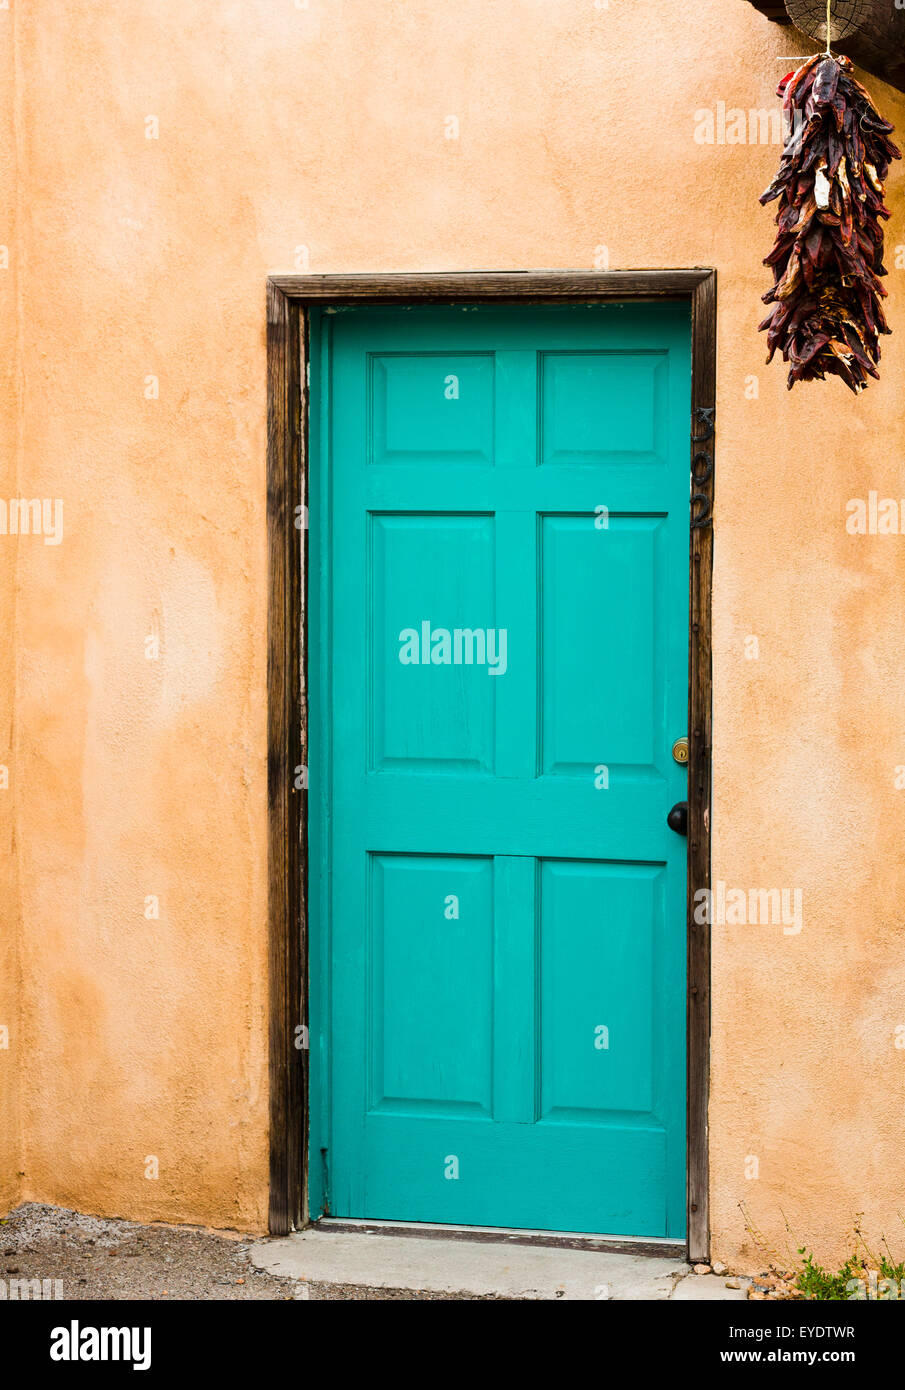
(322, 126)
(10, 1053)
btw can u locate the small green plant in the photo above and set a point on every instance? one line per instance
(816, 1282)
(864, 1275)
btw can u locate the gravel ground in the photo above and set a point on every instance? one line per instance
(100, 1259)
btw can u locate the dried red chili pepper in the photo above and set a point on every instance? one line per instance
(828, 257)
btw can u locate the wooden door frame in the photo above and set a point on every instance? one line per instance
(288, 300)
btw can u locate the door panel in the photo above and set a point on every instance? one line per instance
(501, 626)
(598, 923)
(420, 724)
(591, 714)
(431, 1048)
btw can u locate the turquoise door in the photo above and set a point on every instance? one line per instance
(499, 637)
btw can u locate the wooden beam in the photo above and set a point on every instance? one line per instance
(773, 9)
(878, 48)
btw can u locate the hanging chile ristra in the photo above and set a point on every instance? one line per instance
(826, 314)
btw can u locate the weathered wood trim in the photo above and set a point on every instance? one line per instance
(287, 488)
(703, 404)
(517, 286)
(285, 715)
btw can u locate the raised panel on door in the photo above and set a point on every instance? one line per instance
(430, 1019)
(597, 406)
(599, 931)
(431, 409)
(428, 715)
(600, 679)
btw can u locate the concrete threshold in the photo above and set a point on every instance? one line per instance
(493, 1268)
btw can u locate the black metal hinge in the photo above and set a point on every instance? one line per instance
(703, 429)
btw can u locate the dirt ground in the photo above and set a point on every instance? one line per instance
(101, 1259)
